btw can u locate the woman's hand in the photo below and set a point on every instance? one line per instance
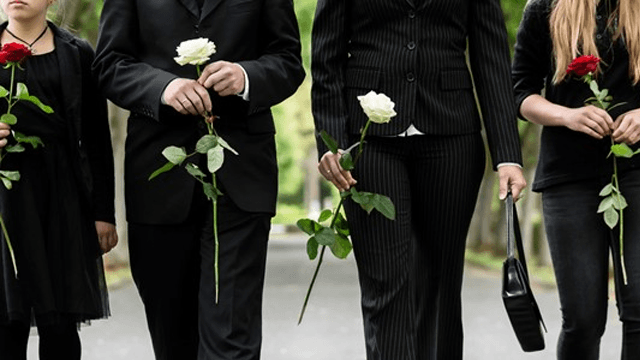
(329, 167)
(590, 120)
(107, 236)
(626, 128)
(5, 130)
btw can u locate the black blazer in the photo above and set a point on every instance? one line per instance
(134, 63)
(86, 111)
(414, 51)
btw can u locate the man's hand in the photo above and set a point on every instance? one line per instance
(5, 130)
(187, 97)
(107, 236)
(223, 77)
(511, 178)
(329, 167)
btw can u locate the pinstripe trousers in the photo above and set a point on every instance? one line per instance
(410, 270)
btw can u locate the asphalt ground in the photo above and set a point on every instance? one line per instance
(332, 327)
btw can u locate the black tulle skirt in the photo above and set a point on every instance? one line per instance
(51, 227)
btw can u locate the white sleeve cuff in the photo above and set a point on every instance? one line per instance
(244, 94)
(509, 164)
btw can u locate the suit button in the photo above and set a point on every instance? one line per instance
(412, 14)
(411, 77)
(197, 28)
(411, 45)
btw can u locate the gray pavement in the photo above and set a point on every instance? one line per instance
(332, 328)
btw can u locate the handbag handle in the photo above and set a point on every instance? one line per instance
(514, 238)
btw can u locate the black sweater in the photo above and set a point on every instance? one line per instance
(567, 155)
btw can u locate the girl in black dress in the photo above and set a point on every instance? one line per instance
(60, 214)
(573, 165)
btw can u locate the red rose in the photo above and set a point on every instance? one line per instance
(14, 52)
(583, 65)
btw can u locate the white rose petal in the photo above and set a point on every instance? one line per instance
(195, 52)
(377, 107)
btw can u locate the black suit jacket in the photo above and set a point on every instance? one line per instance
(135, 62)
(414, 51)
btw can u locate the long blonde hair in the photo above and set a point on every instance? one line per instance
(573, 26)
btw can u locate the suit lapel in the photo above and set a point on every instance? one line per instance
(208, 7)
(192, 6)
(411, 3)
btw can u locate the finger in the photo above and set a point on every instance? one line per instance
(621, 128)
(337, 172)
(504, 187)
(208, 71)
(589, 131)
(599, 124)
(3, 143)
(203, 94)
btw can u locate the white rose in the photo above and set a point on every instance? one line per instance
(377, 107)
(195, 52)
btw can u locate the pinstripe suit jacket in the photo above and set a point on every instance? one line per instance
(415, 52)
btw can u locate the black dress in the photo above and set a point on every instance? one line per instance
(47, 214)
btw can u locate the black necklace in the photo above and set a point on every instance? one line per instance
(29, 44)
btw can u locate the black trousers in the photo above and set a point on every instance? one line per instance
(580, 243)
(410, 269)
(58, 341)
(173, 269)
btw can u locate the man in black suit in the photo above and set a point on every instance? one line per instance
(429, 159)
(257, 65)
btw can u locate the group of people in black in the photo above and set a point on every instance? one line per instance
(447, 66)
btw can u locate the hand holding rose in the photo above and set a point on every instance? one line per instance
(5, 130)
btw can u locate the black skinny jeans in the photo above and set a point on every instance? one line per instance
(580, 242)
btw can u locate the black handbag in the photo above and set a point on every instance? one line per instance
(521, 306)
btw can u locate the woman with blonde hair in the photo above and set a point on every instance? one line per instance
(574, 165)
(60, 214)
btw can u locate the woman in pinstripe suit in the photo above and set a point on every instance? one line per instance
(429, 160)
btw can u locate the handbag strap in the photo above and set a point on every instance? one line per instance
(514, 238)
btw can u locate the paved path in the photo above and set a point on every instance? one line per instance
(332, 328)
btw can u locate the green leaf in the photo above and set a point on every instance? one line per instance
(35, 101)
(307, 226)
(9, 119)
(34, 141)
(6, 182)
(622, 150)
(215, 159)
(325, 236)
(21, 91)
(342, 247)
(364, 199)
(210, 191)
(619, 202)
(166, 167)
(594, 88)
(385, 206)
(312, 248)
(205, 143)
(605, 204)
(174, 154)
(195, 171)
(3, 92)
(611, 217)
(346, 161)
(341, 225)
(226, 145)
(11, 175)
(15, 148)
(331, 143)
(606, 190)
(325, 215)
